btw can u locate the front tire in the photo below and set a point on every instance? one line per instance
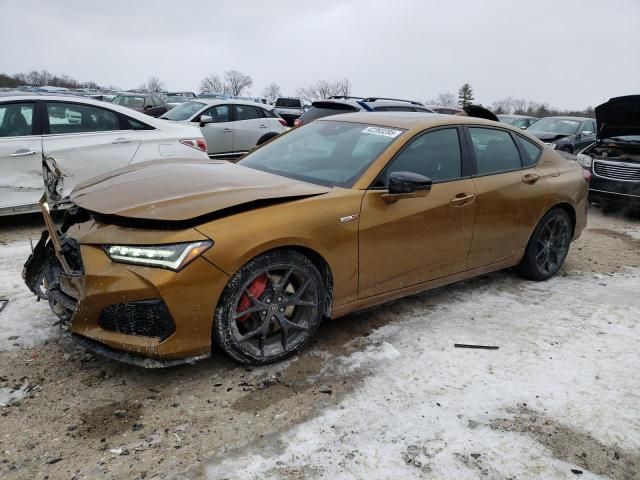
(548, 246)
(270, 308)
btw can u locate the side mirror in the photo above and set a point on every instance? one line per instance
(204, 119)
(406, 185)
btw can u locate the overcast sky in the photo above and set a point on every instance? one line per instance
(569, 53)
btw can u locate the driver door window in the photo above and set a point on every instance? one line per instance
(219, 113)
(435, 155)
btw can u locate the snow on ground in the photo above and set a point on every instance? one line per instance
(633, 232)
(560, 393)
(24, 322)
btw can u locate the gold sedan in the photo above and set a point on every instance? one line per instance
(158, 263)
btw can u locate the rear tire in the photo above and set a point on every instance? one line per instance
(270, 308)
(548, 246)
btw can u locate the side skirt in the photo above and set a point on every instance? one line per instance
(376, 300)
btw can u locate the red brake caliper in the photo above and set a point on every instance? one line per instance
(256, 289)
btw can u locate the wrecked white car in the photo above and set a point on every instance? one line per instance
(77, 138)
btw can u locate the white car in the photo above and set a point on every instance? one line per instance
(230, 127)
(80, 138)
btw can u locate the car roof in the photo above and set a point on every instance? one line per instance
(142, 117)
(218, 101)
(411, 120)
(568, 117)
(513, 115)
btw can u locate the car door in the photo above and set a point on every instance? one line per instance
(219, 132)
(587, 135)
(511, 193)
(21, 183)
(84, 140)
(415, 240)
(248, 126)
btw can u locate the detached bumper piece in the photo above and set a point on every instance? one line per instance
(147, 318)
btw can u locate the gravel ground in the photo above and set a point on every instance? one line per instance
(71, 414)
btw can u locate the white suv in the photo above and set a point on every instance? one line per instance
(230, 127)
(80, 138)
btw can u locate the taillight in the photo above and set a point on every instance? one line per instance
(587, 175)
(283, 122)
(297, 122)
(197, 143)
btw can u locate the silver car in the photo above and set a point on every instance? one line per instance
(230, 127)
(79, 138)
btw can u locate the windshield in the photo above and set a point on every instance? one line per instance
(184, 111)
(129, 101)
(555, 125)
(288, 103)
(330, 153)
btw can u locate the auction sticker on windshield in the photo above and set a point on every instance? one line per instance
(386, 132)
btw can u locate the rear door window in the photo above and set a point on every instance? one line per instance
(16, 119)
(76, 118)
(495, 151)
(246, 112)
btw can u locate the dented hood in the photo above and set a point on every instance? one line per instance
(618, 117)
(184, 189)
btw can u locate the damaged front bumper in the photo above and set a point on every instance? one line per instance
(139, 315)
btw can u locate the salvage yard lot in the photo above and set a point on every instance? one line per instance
(380, 394)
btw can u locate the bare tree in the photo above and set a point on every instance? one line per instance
(342, 87)
(212, 83)
(154, 85)
(324, 89)
(237, 82)
(271, 92)
(446, 99)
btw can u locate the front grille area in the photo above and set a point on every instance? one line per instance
(617, 171)
(146, 318)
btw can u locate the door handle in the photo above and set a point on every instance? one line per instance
(23, 153)
(462, 199)
(227, 130)
(530, 178)
(262, 126)
(121, 140)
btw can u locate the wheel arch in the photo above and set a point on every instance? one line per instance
(318, 260)
(571, 211)
(266, 137)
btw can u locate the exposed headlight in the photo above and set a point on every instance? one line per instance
(584, 160)
(174, 256)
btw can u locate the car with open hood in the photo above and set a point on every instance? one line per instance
(568, 134)
(614, 159)
(160, 263)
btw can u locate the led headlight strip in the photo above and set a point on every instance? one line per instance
(174, 256)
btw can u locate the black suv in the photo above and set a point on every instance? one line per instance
(614, 159)
(339, 104)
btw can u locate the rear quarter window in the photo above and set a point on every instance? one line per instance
(530, 151)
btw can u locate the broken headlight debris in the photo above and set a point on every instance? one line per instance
(173, 257)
